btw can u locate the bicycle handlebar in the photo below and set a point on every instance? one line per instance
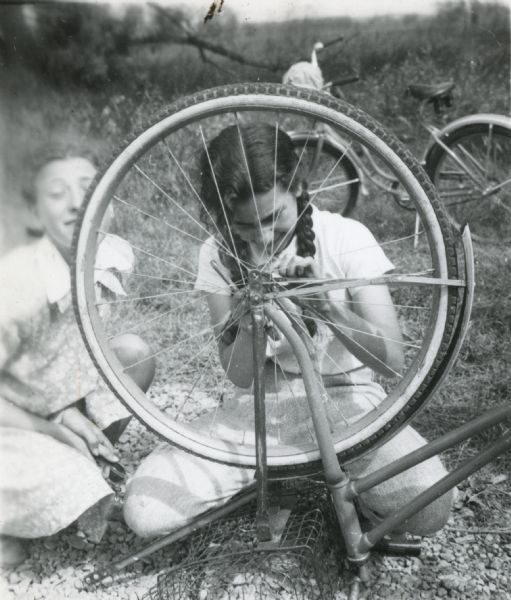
(319, 46)
(332, 42)
(344, 80)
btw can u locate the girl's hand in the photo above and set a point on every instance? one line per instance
(304, 266)
(240, 311)
(95, 440)
(297, 266)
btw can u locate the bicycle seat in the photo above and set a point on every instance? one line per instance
(430, 92)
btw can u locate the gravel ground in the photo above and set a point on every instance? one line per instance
(459, 562)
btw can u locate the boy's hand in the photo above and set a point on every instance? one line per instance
(95, 440)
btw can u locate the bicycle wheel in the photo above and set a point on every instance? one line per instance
(473, 179)
(321, 159)
(152, 188)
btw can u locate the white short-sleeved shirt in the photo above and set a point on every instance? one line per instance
(345, 248)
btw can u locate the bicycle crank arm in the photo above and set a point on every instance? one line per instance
(404, 548)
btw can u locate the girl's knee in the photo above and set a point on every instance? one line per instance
(136, 517)
(432, 518)
(148, 516)
(131, 349)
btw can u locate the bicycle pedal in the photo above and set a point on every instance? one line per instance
(410, 547)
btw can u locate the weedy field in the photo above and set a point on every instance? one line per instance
(471, 559)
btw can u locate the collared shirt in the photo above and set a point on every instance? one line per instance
(44, 365)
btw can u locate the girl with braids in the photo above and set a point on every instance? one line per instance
(263, 216)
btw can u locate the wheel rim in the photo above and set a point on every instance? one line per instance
(475, 182)
(127, 172)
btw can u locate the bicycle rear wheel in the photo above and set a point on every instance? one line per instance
(473, 179)
(152, 187)
(321, 160)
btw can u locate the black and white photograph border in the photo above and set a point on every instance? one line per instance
(87, 78)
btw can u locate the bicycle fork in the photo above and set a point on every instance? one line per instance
(336, 479)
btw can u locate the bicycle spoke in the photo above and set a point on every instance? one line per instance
(289, 404)
(476, 165)
(242, 144)
(277, 400)
(398, 279)
(221, 201)
(306, 283)
(302, 212)
(147, 253)
(375, 335)
(178, 292)
(183, 369)
(352, 386)
(322, 186)
(334, 186)
(136, 298)
(502, 205)
(498, 187)
(348, 302)
(488, 161)
(200, 377)
(169, 225)
(274, 185)
(300, 157)
(328, 323)
(172, 200)
(189, 393)
(461, 164)
(197, 195)
(159, 316)
(206, 330)
(316, 157)
(377, 245)
(135, 274)
(227, 370)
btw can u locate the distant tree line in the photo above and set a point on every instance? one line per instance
(93, 45)
(87, 44)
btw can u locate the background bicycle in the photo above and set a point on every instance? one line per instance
(466, 158)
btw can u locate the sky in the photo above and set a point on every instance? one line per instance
(276, 10)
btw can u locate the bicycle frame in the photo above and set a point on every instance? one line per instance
(438, 135)
(371, 171)
(368, 170)
(344, 490)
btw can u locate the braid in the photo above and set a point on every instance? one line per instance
(305, 245)
(305, 235)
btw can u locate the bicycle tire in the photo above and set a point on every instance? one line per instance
(489, 218)
(438, 234)
(345, 199)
